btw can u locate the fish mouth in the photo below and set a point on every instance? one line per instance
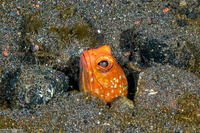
(87, 78)
(84, 76)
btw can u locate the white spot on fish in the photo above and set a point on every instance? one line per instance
(115, 86)
(120, 77)
(111, 86)
(108, 94)
(116, 80)
(125, 88)
(91, 79)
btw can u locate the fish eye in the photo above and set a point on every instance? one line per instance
(103, 64)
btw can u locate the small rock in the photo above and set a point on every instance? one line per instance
(37, 85)
(183, 3)
(122, 105)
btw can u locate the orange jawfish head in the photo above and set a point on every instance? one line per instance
(100, 75)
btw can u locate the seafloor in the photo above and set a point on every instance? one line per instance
(156, 42)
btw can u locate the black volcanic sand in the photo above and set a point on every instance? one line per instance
(158, 49)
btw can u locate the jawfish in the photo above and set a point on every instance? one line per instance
(100, 75)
